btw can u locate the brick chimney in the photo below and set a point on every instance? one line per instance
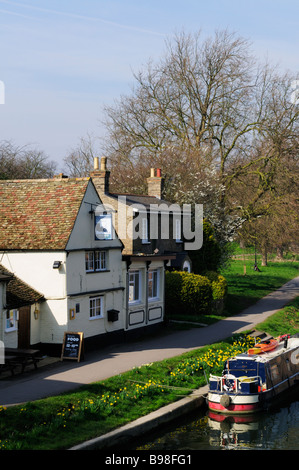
(155, 183)
(100, 176)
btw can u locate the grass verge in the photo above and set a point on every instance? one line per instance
(93, 410)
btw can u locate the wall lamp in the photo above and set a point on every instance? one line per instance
(36, 312)
(56, 264)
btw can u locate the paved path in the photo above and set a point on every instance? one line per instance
(115, 359)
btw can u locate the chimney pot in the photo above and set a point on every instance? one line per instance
(103, 163)
(96, 163)
(155, 184)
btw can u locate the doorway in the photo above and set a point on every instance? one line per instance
(24, 327)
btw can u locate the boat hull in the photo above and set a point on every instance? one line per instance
(230, 404)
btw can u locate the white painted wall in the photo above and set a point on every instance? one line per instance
(81, 286)
(36, 269)
(96, 326)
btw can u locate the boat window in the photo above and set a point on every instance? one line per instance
(274, 372)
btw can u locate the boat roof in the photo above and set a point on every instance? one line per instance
(293, 343)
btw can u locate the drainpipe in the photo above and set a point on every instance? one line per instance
(146, 292)
(128, 263)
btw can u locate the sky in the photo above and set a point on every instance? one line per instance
(62, 61)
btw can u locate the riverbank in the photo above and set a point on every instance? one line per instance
(100, 408)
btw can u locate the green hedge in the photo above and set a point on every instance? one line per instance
(219, 285)
(192, 293)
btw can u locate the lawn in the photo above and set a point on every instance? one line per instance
(244, 291)
(284, 321)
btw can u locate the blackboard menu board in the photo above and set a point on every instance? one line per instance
(72, 346)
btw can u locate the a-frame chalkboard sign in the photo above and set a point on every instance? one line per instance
(72, 347)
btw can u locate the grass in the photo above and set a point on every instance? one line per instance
(284, 321)
(244, 291)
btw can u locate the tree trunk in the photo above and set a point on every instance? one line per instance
(279, 252)
(264, 256)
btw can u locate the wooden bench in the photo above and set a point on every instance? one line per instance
(23, 357)
(9, 364)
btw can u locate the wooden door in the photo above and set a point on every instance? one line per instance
(24, 327)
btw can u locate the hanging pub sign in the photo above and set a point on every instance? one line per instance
(103, 227)
(72, 347)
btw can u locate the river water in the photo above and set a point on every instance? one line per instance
(277, 429)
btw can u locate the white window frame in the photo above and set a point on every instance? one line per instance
(89, 261)
(135, 276)
(154, 277)
(96, 307)
(95, 261)
(12, 317)
(100, 260)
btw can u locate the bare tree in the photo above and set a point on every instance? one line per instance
(198, 97)
(79, 161)
(24, 162)
(220, 125)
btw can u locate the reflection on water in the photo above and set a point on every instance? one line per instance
(278, 429)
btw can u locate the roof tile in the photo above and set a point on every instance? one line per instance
(39, 214)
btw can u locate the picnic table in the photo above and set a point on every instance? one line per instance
(23, 357)
(9, 363)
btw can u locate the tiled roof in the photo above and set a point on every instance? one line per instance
(18, 293)
(39, 214)
(145, 200)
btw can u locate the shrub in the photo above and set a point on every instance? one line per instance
(187, 292)
(209, 256)
(173, 288)
(219, 285)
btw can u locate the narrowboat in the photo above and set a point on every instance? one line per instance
(254, 380)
